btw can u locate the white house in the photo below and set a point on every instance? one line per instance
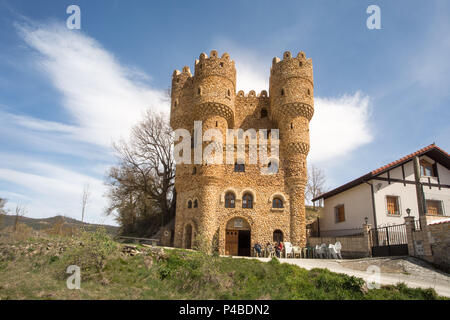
(382, 196)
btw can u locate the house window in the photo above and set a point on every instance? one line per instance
(392, 205)
(239, 167)
(189, 204)
(247, 201)
(339, 212)
(426, 169)
(277, 203)
(434, 208)
(230, 200)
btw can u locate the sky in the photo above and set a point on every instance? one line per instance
(67, 95)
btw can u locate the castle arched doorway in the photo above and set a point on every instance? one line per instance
(188, 236)
(237, 237)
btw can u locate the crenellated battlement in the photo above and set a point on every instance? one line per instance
(252, 94)
(290, 67)
(215, 66)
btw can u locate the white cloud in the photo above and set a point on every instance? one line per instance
(339, 126)
(104, 98)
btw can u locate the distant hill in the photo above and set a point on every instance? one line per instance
(47, 223)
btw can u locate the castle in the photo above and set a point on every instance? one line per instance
(234, 206)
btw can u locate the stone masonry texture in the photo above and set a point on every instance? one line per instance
(210, 96)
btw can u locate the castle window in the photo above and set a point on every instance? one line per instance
(292, 126)
(217, 124)
(277, 203)
(175, 103)
(300, 64)
(273, 167)
(247, 201)
(229, 92)
(309, 92)
(194, 170)
(263, 113)
(189, 204)
(230, 200)
(195, 203)
(239, 167)
(282, 92)
(278, 236)
(221, 64)
(199, 91)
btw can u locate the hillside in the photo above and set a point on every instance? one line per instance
(48, 223)
(111, 270)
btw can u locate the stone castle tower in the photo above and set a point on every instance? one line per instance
(233, 206)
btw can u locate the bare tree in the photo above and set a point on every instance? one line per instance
(142, 184)
(84, 200)
(2, 210)
(316, 183)
(20, 212)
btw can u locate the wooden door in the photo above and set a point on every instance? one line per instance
(231, 242)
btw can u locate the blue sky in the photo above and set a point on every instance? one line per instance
(65, 95)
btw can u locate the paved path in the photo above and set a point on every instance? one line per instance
(414, 273)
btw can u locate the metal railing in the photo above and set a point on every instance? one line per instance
(389, 235)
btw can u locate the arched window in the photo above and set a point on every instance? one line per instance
(278, 236)
(195, 203)
(230, 200)
(247, 201)
(277, 203)
(263, 113)
(239, 167)
(273, 167)
(189, 204)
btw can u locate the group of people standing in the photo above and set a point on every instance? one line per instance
(278, 247)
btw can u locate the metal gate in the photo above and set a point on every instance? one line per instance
(389, 241)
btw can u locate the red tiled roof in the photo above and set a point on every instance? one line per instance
(408, 157)
(382, 169)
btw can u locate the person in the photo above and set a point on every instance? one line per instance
(279, 249)
(257, 248)
(269, 249)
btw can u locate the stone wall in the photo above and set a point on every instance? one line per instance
(431, 242)
(440, 244)
(210, 96)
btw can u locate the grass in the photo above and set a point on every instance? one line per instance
(38, 272)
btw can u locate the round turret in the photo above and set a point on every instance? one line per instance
(291, 87)
(214, 87)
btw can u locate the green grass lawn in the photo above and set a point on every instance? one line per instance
(38, 272)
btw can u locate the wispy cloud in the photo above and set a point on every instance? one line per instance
(103, 97)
